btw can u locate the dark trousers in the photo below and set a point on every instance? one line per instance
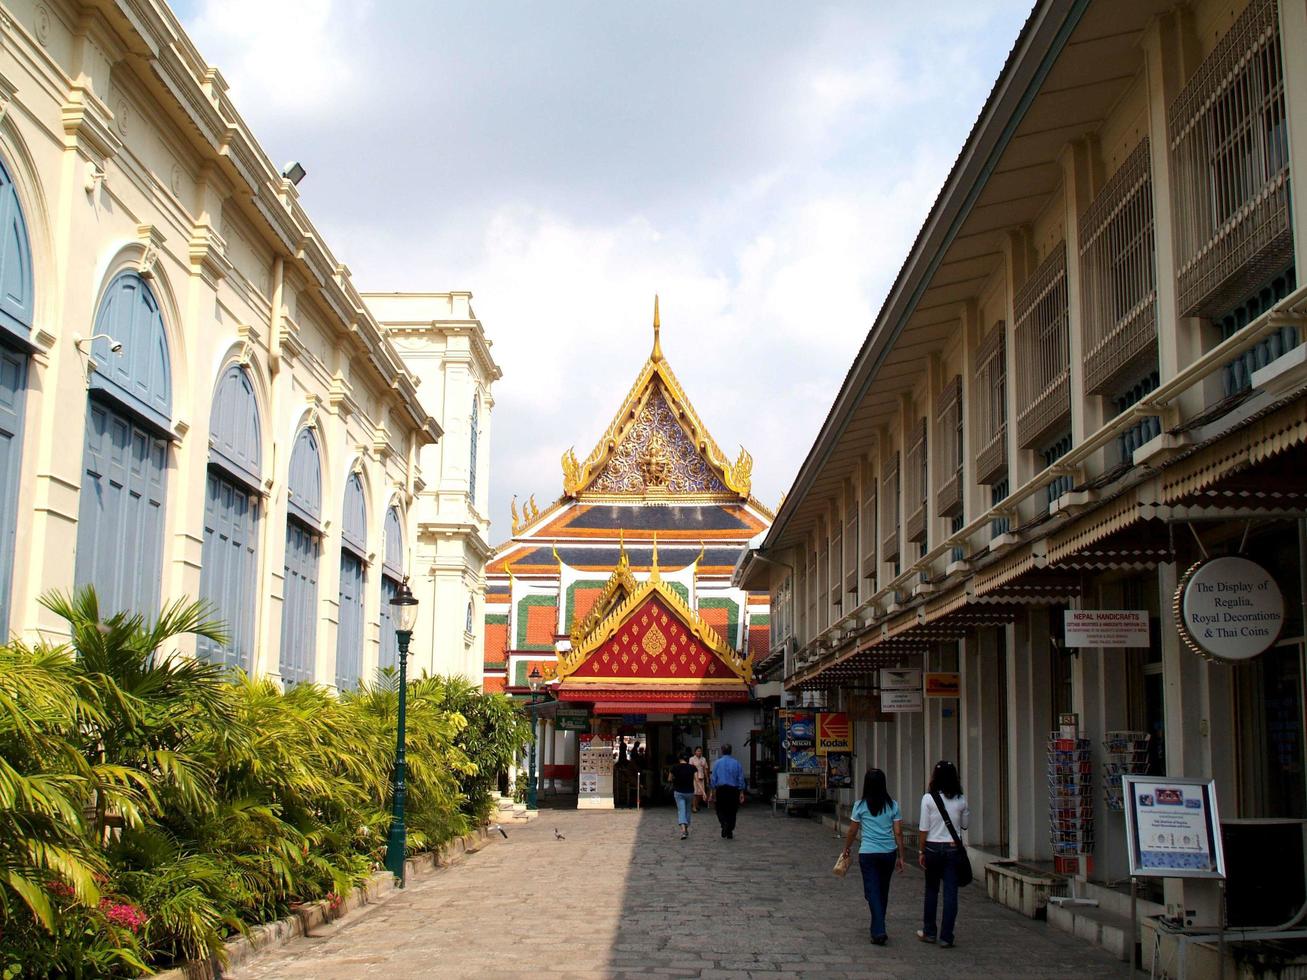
(876, 872)
(941, 869)
(728, 805)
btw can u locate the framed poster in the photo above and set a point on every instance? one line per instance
(1172, 827)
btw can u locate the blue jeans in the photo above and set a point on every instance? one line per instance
(683, 801)
(876, 871)
(941, 868)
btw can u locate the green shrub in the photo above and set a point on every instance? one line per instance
(152, 805)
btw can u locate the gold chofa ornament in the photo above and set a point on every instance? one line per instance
(655, 466)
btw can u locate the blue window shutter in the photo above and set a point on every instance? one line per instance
(13, 390)
(472, 452)
(349, 635)
(235, 439)
(304, 488)
(120, 513)
(299, 621)
(354, 523)
(389, 656)
(229, 570)
(139, 376)
(17, 302)
(392, 558)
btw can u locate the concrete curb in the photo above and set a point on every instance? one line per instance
(307, 917)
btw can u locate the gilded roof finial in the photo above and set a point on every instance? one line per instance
(657, 354)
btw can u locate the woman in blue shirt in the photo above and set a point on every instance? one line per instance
(877, 821)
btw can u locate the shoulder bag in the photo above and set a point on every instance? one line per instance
(964, 862)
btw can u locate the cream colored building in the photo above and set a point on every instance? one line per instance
(441, 340)
(195, 400)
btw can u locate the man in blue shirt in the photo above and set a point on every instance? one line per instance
(727, 785)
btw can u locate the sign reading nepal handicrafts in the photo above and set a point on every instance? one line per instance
(1229, 608)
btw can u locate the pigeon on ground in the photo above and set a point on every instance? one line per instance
(502, 831)
(557, 835)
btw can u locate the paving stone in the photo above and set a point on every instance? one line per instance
(621, 896)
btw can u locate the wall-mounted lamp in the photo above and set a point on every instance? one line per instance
(115, 346)
(294, 172)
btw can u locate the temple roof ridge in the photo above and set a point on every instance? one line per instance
(656, 375)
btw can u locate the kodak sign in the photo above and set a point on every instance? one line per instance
(833, 733)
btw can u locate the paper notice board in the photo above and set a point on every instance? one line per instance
(1173, 829)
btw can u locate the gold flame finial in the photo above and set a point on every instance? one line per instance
(657, 354)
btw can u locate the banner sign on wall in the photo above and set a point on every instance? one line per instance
(900, 700)
(900, 679)
(833, 732)
(799, 739)
(572, 721)
(1229, 608)
(839, 770)
(1172, 827)
(1110, 628)
(943, 684)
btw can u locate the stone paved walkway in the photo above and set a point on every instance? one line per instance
(621, 896)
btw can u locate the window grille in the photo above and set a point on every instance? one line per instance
(1229, 147)
(991, 402)
(823, 578)
(997, 494)
(957, 523)
(890, 491)
(810, 594)
(948, 416)
(869, 527)
(1043, 358)
(915, 465)
(835, 573)
(851, 506)
(1118, 276)
(1238, 373)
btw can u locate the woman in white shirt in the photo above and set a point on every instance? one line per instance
(939, 853)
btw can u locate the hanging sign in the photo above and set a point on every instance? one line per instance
(900, 679)
(572, 721)
(799, 739)
(1172, 827)
(839, 770)
(943, 684)
(893, 700)
(1229, 608)
(833, 732)
(1110, 628)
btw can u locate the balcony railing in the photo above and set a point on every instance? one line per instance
(1117, 270)
(1043, 360)
(991, 406)
(1229, 146)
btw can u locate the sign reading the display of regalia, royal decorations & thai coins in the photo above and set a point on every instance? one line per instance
(1172, 827)
(1229, 608)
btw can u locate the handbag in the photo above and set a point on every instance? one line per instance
(964, 863)
(841, 865)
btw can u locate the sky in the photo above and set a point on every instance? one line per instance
(762, 165)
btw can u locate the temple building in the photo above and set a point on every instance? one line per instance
(617, 598)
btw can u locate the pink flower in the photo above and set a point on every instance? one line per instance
(59, 889)
(123, 914)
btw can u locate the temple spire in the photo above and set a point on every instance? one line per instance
(657, 354)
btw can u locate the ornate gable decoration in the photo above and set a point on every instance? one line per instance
(616, 590)
(657, 446)
(651, 634)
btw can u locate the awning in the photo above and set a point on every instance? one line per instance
(652, 708)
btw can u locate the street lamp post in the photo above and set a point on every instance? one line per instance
(535, 679)
(404, 609)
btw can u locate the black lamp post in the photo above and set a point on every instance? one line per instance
(535, 679)
(404, 609)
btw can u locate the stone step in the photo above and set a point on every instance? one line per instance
(1101, 927)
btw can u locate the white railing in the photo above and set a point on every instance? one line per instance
(1229, 149)
(1118, 278)
(1043, 358)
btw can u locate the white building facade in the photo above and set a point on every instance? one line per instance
(444, 345)
(195, 401)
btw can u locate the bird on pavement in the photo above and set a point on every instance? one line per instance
(502, 831)
(557, 835)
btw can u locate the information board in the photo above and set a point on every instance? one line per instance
(595, 779)
(898, 701)
(1229, 608)
(1172, 827)
(1108, 628)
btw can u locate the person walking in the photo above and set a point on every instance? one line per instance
(727, 785)
(683, 777)
(878, 825)
(944, 811)
(700, 777)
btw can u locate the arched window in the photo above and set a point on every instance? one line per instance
(392, 573)
(299, 621)
(353, 557)
(16, 305)
(128, 419)
(467, 623)
(228, 570)
(472, 453)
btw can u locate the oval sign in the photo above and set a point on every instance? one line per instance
(1230, 608)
